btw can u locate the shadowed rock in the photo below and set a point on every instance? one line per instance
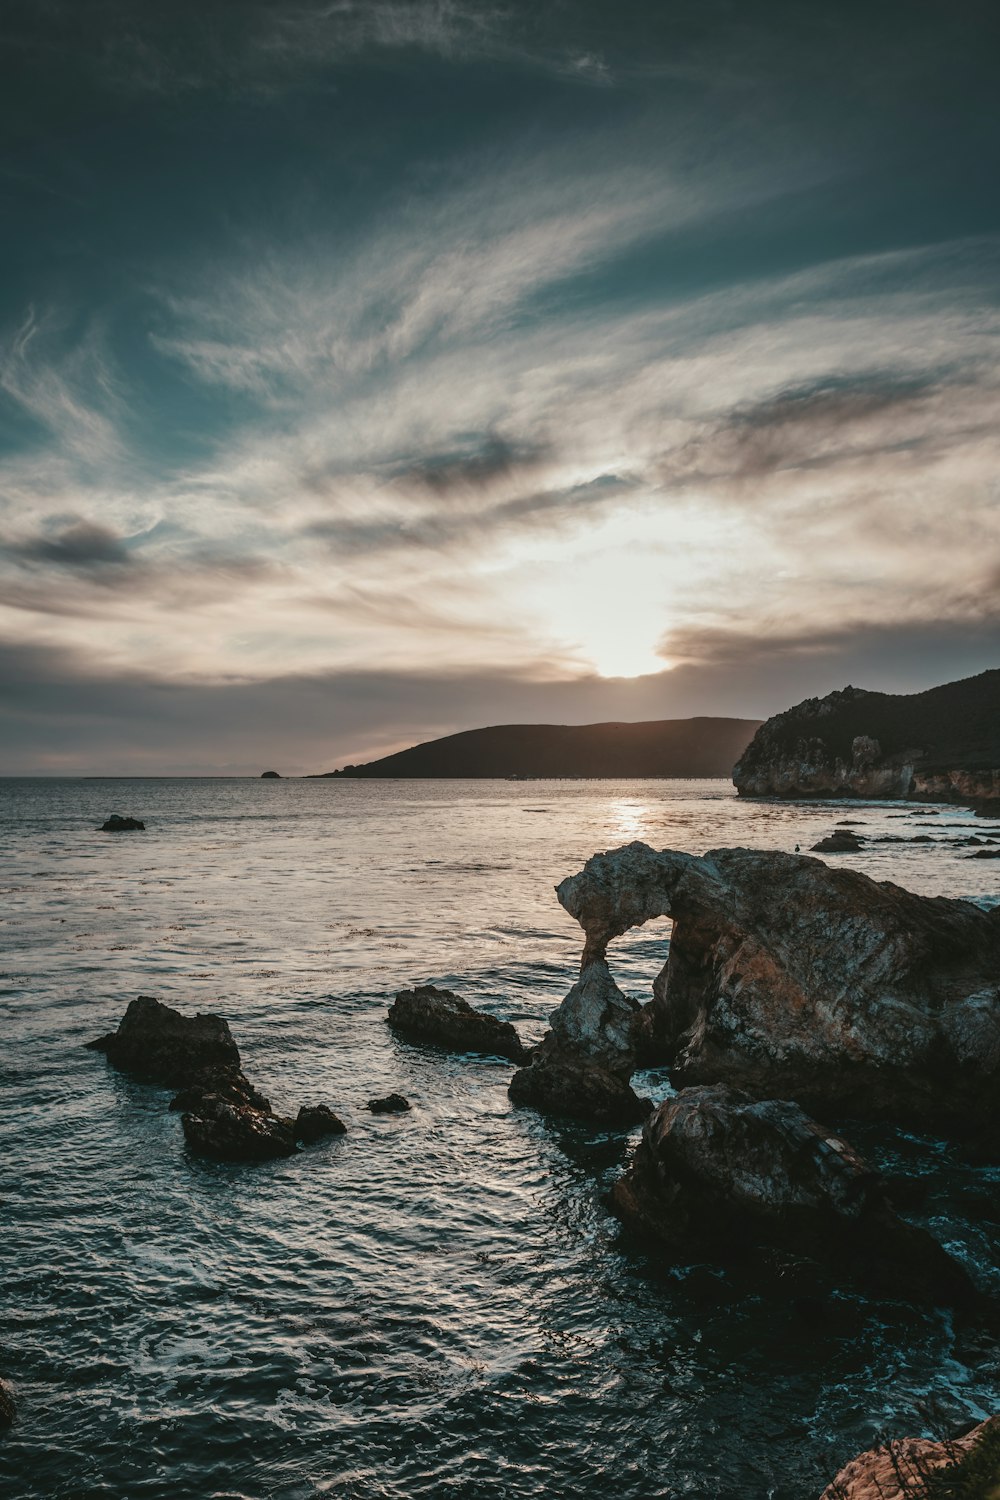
(160, 1045)
(117, 824)
(583, 1064)
(720, 1174)
(231, 1131)
(392, 1104)
(842, 841)
(901, 1468)
(786, 976)
(426, 1014)
(8, 1408)
(316, 1121)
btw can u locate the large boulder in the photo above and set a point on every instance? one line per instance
(117, 824)
(234, 1131)
(160, 1045)
(789, 977)
(426, 1014)
(582, 1065)
(314, 1121)
(902, 1468)
(722, 1175)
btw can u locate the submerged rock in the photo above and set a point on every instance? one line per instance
(583, 1064)
(316, 1121)
(392, 1104)
(720, 1174)
(8, 1407)
(117, 824)
(899, 1469)
(158, 1044)
(426, 1014)
(786, 976)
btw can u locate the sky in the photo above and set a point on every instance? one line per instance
(370, 371)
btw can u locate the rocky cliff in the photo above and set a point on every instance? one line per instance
(939, 746)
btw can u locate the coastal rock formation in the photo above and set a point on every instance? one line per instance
(426, 1014)
(789, 977)
(160, 1045)
(313, 1122)
(392, 1104)
(938, 746)
(270, 775)
(899, 1469)
(583, 1064)
(8, 1408)
(117, 824)
(841, 841)
(222, 1114)
(720, 1174)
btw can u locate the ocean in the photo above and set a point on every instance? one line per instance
(438, 1303)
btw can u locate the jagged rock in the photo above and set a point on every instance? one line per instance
(234, 1088)
(583, 1064)
(392, 1104)
(316, 1121)
(8, 1407)
(899, 1469)
(942, 745)
(160, 1045)
(842, 841)
(786, 976)
(984, 854)
(720, 1174)
(236, 1132)
(426, 1014)
(117, 824)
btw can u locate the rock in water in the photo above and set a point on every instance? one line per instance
(720, 1174)
(899, 1469)
(117, 824)
(426, 1014)
(236, 1132)
(786, 976)
(160, 1045)
(582, 1066)
(316, 1121)
(8, 1408)
(392, 1104)
(270, 775)
(842, 841)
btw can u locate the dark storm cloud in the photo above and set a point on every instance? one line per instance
(83, 546)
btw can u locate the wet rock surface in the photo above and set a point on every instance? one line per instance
(899, 1469)
(789, 977)
(236, 1132)
(392, 1104)
(117, 824)
(720, 1174)
(8, 1407)
(426, 1014)
(315, 1121)
(576, 1089)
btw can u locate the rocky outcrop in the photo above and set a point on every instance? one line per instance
(426, 1014)
(722, 1175)
(270, 775)
(222, 1114)
(392, 1104)
(788, 977)
(117, 824)
(583, 1064)
(160, 1045)
(841, 841)
(901, 1469)
(938, 746)
(8, 1408)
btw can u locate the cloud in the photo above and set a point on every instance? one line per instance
(83, 545)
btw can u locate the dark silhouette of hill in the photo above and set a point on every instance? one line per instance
(661, 747)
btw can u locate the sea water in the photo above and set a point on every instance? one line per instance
(437, 1303)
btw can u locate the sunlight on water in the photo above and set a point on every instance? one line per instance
(438, 1304)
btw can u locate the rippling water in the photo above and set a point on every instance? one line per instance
(436, 1304)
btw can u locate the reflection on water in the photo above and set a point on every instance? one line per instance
(434, 1304)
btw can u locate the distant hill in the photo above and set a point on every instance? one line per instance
(940, 745)
(661, 747)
